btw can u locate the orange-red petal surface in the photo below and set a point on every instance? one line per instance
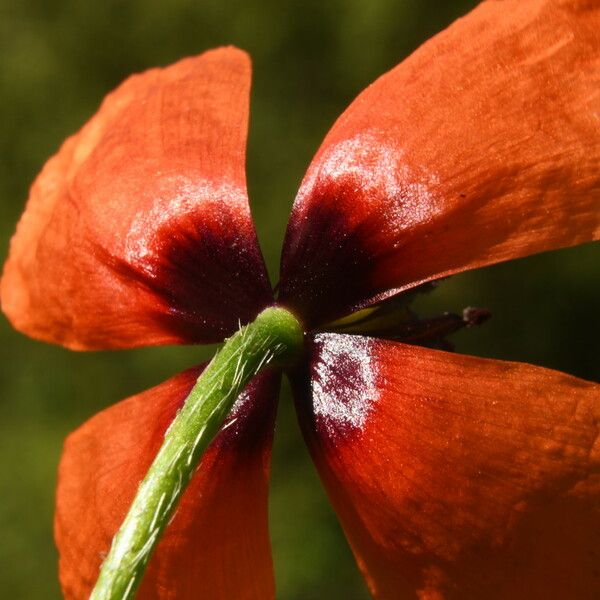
(217, 545)
(453, 476)
(482, 146)
(139, 231)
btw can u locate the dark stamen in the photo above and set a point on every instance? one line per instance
(397, 321)
(433, 331)
(475, 316)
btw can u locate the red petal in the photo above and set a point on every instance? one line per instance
(138, 231)
(217, 545)
(482, 146)
(454, 476)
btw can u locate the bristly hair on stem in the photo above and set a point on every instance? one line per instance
(274, 338)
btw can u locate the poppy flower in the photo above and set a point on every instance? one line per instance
(453, 476)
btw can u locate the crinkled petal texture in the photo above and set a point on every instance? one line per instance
(454, 476)
(217, 545)
(139, 231)
(482, 146)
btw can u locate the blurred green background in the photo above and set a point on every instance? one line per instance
(57, 60)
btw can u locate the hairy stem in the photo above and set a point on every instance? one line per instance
(274, 338)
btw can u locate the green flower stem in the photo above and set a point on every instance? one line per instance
(274, 339)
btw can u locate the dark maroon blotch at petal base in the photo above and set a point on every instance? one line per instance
(325, 263)
(208, 279)
(336, 388)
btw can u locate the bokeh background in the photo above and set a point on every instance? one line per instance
(57, 60)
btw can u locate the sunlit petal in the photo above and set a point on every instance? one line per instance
(217, 545)
(482, 146)
(139, 231)
(454, 476)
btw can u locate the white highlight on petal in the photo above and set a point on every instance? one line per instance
(191, 194)
(344, 382)
(380, 175)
